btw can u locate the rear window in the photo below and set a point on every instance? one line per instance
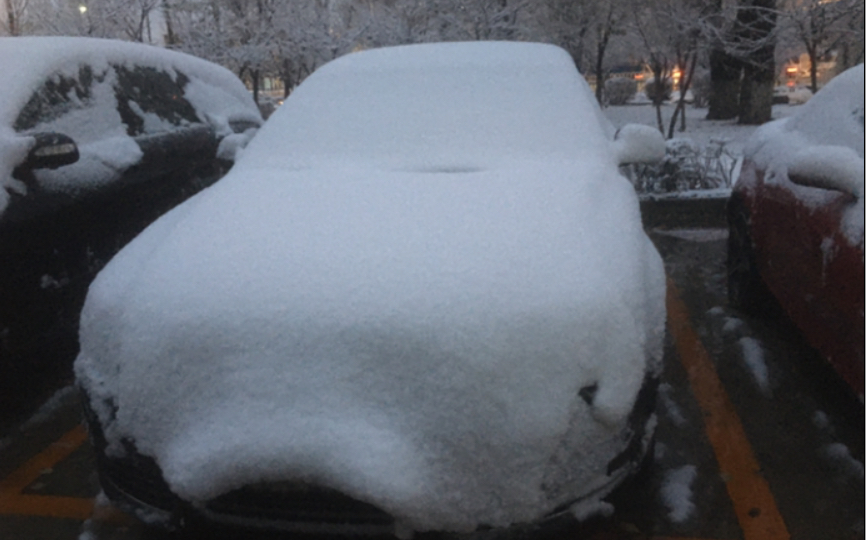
(150, 100)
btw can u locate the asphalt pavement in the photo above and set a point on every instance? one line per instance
(757, 439)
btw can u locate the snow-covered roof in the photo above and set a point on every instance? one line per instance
(27, 61)
(443, 107)
(833, 117)
(397, 292)
(106, 150)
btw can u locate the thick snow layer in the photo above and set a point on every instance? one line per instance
(802, 144)
(397, 292)
(216, 95)
(505, 111)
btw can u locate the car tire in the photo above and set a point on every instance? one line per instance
(747, 291)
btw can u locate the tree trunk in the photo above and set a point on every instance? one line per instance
(254, 74)
(170, 38)
(756, 96)
(813, 70)
(599, 73)
(11, 22)
(691, 61)
(724, 99)
(603, 39)
(757, 25)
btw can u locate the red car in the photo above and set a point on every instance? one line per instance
(796, 223)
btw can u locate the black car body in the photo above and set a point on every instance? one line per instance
(97, 139)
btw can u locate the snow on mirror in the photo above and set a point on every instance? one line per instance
(637, 143)
(829, 167)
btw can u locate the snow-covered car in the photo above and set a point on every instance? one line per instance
(421, 300)
(796, 223)
(97, 139)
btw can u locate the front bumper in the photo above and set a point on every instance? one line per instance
(135, 483)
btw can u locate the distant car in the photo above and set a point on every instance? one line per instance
(421, 300)
(97, 139)
(796, 223)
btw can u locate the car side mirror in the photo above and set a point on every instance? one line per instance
(51, 151)
(828, 167)
(636, 143)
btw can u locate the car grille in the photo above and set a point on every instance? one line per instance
(297, 502)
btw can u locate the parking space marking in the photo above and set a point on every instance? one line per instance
(754, 504)
(14, 502)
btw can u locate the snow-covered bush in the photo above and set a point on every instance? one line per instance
(799, 96)
(658, 92)
(619, 90)
(687, 166)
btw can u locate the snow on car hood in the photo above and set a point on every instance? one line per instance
(419, 345)
(32, 59)
(414, 339)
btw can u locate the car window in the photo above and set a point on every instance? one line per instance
(58, 96)
(93, 105)
(151, 101)
(80, 104)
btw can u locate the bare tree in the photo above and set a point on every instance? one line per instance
(742, 37)
(588, 30)
(756, 27)
(567, 23)
(15, 10)
(484, 19)
(610, 20)
(823, 26)
(671, 34)
(400, 22)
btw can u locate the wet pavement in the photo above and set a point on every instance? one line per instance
(757, 439)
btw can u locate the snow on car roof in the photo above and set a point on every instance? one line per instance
(375, 320)
(216, 95)
(445, 106)
(31, 59)
(835, 115)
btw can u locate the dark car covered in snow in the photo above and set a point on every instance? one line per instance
(796, 223)
(422, 300)
(97, 139)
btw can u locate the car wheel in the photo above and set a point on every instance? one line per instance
(746, 289)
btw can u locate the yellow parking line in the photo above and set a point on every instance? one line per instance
(749, 491)
(14, 502)
(46, 506)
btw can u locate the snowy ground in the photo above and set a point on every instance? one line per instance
(697, 127)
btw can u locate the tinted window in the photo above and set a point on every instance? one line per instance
(151, 101)
(57, 97)
(91, 104)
